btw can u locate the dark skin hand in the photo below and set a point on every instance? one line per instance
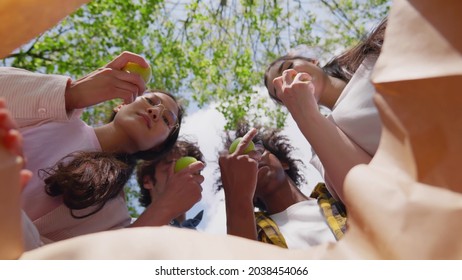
(239, 174)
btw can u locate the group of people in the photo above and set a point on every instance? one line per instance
(74, 174)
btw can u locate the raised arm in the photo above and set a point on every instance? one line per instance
(36, 98)
(32, 97)
(239, 177)
(337, 152)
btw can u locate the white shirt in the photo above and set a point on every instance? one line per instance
(303, 225)
(355, 112)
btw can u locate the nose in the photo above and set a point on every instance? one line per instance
(156, 112)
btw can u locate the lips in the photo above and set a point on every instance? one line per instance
(147, 119)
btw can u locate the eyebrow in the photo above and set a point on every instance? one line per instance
(163, 101)
(280, 66)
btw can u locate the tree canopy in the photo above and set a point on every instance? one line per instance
(208, 52)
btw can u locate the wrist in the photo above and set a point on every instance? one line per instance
(238, 202)
(160, 215)
(69, 102)
(238, 196)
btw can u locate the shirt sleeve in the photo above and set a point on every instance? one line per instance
(33, 98)
(355, 112)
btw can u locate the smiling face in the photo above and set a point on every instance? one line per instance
(299, 64)
(148, 121)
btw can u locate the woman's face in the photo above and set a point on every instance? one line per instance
(318, 77)
(148, 121)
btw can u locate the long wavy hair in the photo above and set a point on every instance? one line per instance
(345, 65)
(90, 179)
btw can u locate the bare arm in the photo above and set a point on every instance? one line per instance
(239, 178)
(337, 152)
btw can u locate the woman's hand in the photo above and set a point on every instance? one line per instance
(297, 91)
(107, 83)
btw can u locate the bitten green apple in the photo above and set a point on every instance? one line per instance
(236, 142)
(132, 67)
(183, 162)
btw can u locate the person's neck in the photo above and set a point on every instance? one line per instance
(111, 139)
(284, 196)
(332, 91)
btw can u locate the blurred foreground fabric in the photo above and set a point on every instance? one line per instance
(405, 204)
(23, 20)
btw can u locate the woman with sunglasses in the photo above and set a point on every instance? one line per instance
(79, 171)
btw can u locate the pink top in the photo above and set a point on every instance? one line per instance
(50, 133)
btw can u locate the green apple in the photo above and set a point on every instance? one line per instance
(183, 162)
(236, 142)
(132, 67)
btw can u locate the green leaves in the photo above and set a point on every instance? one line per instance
(204, 51)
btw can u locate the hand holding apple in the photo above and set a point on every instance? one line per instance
(183, 162)
(110, 82)
(132, 67)
(236, 142)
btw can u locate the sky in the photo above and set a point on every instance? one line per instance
(205, 126)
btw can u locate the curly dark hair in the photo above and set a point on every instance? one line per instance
(86, 179)
(148, 168)
(277, 144)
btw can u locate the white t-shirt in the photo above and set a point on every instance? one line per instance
(355, 112)
(303, 225)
